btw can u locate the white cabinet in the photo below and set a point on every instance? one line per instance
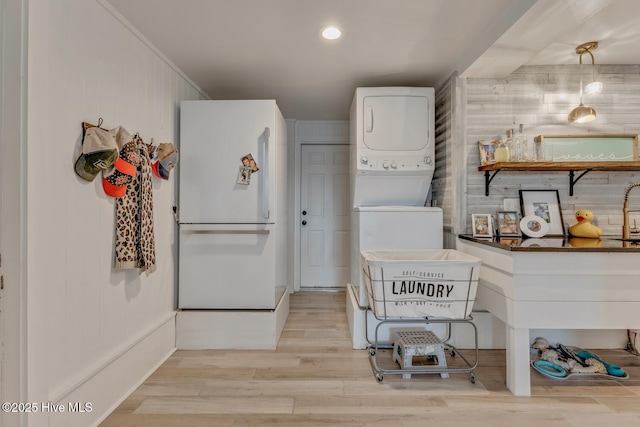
(557, 288)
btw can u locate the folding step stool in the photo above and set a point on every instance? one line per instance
(418, 343)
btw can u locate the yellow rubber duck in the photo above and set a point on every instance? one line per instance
(584, 228)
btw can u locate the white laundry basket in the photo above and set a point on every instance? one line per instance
(436, 283)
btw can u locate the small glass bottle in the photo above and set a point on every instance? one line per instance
(511, 146)
(526, 149)
(502, 152)
(518, 148)
(539, 154)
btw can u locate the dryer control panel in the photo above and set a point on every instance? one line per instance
(393, 163)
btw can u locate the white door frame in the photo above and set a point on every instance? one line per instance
(13, 173)
(310, 132)
(334, 224)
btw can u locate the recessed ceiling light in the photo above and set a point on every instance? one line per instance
(331, 32)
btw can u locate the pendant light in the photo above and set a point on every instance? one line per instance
(583, 113)
(594, 87)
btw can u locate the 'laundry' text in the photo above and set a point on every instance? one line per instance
(429, 289)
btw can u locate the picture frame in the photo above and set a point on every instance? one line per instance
(590, 147)
(534, 226)
(508, 224)
(546, 205)
(244, 175)
(482, 225)
(487, 152)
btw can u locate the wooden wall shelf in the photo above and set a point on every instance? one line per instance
(571, 167)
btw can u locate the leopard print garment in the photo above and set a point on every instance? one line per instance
(135, 243)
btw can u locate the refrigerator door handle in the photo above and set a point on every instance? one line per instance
(265, 181)
(225, 231)
(209, 228)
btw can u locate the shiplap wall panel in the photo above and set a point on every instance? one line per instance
(85, 64)
(449, 182)
(442, 192)
(540, 97)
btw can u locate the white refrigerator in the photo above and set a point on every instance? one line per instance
(232, 205)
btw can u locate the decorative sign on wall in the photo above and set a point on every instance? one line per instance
(590, 148)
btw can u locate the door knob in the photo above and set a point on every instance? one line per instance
(304, 212)
(304, 222)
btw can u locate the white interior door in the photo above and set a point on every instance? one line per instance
(324, 216)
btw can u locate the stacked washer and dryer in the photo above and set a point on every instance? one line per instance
(392, 164)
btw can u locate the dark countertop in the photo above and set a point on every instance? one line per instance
(558, 244)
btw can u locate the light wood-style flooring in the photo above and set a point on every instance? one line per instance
(315, 378)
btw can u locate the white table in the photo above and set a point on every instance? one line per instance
(556, 286)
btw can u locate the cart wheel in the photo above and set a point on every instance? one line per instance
(372, 351)
(379, 377)
(472, 377)
(452, 353)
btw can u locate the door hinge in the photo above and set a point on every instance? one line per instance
(1, 283)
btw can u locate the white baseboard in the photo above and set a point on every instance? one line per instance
(109, 385)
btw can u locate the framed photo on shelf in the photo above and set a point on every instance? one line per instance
(482, 225)
(487, 152)
(534, 226)
(544, 204)
(508, 224)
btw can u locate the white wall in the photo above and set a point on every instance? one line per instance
(12, 232)
(93, 333)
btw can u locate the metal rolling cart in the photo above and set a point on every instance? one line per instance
(418, 289)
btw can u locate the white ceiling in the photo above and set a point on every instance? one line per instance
(252, 49)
